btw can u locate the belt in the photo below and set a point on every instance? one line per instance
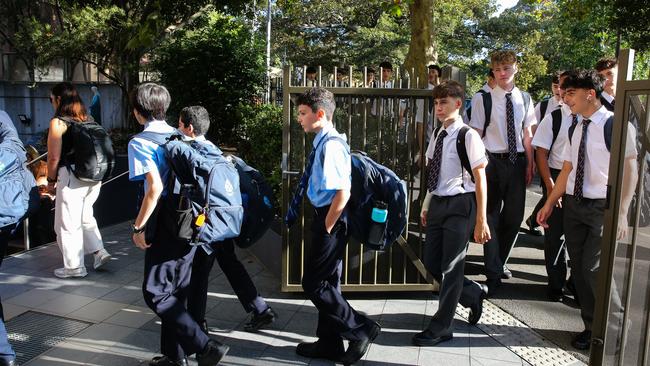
(505, 155)
(440, 198)
(586, 200)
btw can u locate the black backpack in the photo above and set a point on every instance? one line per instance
(373, 183)
(556, 116)
(487, 107)
(607, 132)
(469, 109)
(257, 198)
(91, 152)
(543, 106)
(461, 148)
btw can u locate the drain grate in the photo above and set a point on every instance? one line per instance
(519, 338)
(33, 333)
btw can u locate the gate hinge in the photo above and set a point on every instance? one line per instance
(597, 342)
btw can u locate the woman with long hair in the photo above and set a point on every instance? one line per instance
(76, 229)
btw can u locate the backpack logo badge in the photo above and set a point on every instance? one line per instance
(228, 187)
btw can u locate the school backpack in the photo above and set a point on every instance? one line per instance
(469, 108)
(203, 190)
(373, 183)
(461, 148)
(556, 118)
(92, 151)
(644, 216)
(256, 196)
(487, 107)
(18, 192)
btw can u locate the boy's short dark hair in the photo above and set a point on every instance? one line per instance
(370, 70)
(503, 57)
(196, 116)
(318, 98)
(311, 70)
(449, 88)
(584, 79)
(555, 78)
(151, 100)
(564, 73)
(386, 65)
(606, 63)
(437, 68)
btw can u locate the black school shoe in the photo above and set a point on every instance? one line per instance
(356, 349)
(582, 341)
(476, 310)
(261, 320)
(212, 353)
(493, 285)
(426, 338)
(165, 361)
(533, 228)
(332, 351)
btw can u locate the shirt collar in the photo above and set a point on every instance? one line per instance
(502, 93)
(322, 133)
(607, 97)
(154, 123)
(458, 123)
(487, 88)
(599, 117)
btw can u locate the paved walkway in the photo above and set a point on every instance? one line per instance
(102, 319)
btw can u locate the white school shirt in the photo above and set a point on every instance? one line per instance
(553, 104)
(596, 155)
(496, 136)
(607, 97)
(454, 179)
(544, 137)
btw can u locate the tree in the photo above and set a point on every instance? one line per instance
(114, 35)
(216, 62)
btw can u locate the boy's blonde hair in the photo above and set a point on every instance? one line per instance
(503, 57)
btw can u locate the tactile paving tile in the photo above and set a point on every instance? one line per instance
(33, 333)
(519, 338)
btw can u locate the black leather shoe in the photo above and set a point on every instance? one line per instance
(428, 339)
(533, 229)
(506, 273)
(261, 320)
(476, 310)
(493, 285)
(163, 361)
(332, 351)
(582, 341)
(356, 349)
(212, 353)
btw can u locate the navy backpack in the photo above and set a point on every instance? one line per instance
(373, 183)
(203, 191)
(18, 192)
(256, 196)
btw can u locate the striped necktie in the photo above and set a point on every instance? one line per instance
(580, 169)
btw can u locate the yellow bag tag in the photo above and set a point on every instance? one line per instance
(200, 220)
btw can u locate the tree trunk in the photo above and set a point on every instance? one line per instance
(129, 79)
(421, 49)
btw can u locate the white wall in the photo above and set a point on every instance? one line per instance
(19, 98)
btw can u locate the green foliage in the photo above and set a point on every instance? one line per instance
(217, 63)
(260, 141)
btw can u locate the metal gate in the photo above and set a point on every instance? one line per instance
(381, 122)
(621, 329)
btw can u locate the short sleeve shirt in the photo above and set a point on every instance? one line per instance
(596, 155)
(331, 170)
(544, 137)
(454, 179)
(145, 156)
(552, 105)
(496, 135)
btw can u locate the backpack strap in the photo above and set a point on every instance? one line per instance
(543, 106)
(487, 108)
(557, 124)
(461, 149)
(155, 137)
(607, 132)
(527, 101)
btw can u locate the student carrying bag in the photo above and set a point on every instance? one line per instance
(91, 157)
